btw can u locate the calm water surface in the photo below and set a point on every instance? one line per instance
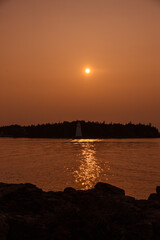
(53, 164)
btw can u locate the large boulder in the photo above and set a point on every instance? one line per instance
(109, 189)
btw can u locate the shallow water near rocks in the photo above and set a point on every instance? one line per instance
(54, 164)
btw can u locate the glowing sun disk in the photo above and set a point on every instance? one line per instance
(87, 70)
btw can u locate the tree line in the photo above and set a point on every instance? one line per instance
(89, 130)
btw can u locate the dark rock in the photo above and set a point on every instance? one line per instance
(104, 212)
(108, 188)
(140, 231)
(4, 227)
(70, 190)
(154, 196)
(129, 199)
(158, 190)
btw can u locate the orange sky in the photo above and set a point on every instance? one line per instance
(45, 46)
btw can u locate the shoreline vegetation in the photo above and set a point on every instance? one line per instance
(103, 212)
(89, 130)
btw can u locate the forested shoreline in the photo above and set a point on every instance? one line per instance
(89, 130)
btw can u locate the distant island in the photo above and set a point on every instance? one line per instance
(89, 130)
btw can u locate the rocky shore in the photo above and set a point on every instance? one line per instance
(104, 212)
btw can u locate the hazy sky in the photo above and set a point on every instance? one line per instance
(45, 46)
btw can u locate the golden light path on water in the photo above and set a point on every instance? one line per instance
(89, 169)
(54, 164)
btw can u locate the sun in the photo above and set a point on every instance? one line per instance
(87, 70)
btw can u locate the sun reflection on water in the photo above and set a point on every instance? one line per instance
(89, 169)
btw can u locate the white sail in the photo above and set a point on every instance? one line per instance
(78, 130)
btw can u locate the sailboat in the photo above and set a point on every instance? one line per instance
(78, 130)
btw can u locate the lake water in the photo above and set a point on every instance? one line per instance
(53, 164)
